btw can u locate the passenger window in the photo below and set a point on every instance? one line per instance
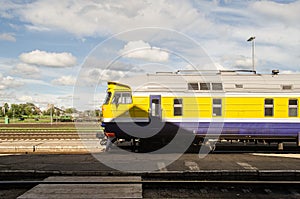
(217, 107)
(193, 86)
(293, 107)
(217, 86)
(204, 86)
(177, 107)
(269, 107)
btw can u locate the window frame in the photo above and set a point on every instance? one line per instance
(107, 97)
(268, 106)
(191, 86)
(216, 86)
(204, 86)
(217, 106)
(178, 106)
(121, 97)
(293, 106)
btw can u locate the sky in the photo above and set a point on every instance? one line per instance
(57, 52)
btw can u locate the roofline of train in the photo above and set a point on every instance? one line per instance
(250, 80)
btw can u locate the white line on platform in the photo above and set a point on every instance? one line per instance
(278, 155)
(8, 154)
(193, 166)
(161, 166)
(246, 166)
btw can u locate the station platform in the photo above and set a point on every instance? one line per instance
(105, 163)
(80, 175)
(86, 187)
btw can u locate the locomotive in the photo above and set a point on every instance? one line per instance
(209, 105)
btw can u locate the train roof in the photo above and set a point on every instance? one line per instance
(215, 81)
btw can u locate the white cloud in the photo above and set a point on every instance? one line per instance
(143, 50)
(65, 81)
(7, 37)
(42, 100)
(26, 70)
(86, 18)
(229, 23)
(277, 12)
(94, 75)
(26, 98)
(9, 82)
(37, 28)
(7, 96)
(50, 59)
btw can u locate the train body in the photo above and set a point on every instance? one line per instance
(221, 105)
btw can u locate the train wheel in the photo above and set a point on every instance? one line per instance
(140, 146)
(103, 142)
(209, 146)
(134, 144)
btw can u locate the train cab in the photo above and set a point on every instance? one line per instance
(117, 103)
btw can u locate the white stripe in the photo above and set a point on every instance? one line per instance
(193, 166)
(278, 155)
(161, 166)
(213, 94)
(241, 120)
(213, 120)
(246, 166)
(126, 120)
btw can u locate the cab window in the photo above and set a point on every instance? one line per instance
(122, 98)
(107, 98)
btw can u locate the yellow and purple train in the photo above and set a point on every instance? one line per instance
(227, 105)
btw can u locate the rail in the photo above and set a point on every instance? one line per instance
(155, 182)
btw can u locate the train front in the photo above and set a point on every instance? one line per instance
(116, 109)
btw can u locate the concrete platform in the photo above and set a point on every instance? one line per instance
(88, 189)
(51, 146)
(87, 164)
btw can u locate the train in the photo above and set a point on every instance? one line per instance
(239, 105)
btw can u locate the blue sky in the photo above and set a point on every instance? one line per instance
(48, 46)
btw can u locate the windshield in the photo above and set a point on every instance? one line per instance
(107, 98)
(122, 98)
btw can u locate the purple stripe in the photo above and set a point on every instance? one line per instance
(227, 128)
(254, 128)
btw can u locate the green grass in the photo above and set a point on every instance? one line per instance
(58, 129)
(26, 120)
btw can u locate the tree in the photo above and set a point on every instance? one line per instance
(15, 110)
(71, 110)
(49, 111)
(98, 113)
(5, 109)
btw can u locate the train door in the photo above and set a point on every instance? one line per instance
(155, 106)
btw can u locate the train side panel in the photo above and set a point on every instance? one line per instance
(242, 116)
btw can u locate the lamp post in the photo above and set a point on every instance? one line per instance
(252, 40)
(51, 119)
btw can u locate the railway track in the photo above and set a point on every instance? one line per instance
(156, 188)
(221, 189)
(16, 134)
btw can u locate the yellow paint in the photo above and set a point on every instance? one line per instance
(111, 110)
